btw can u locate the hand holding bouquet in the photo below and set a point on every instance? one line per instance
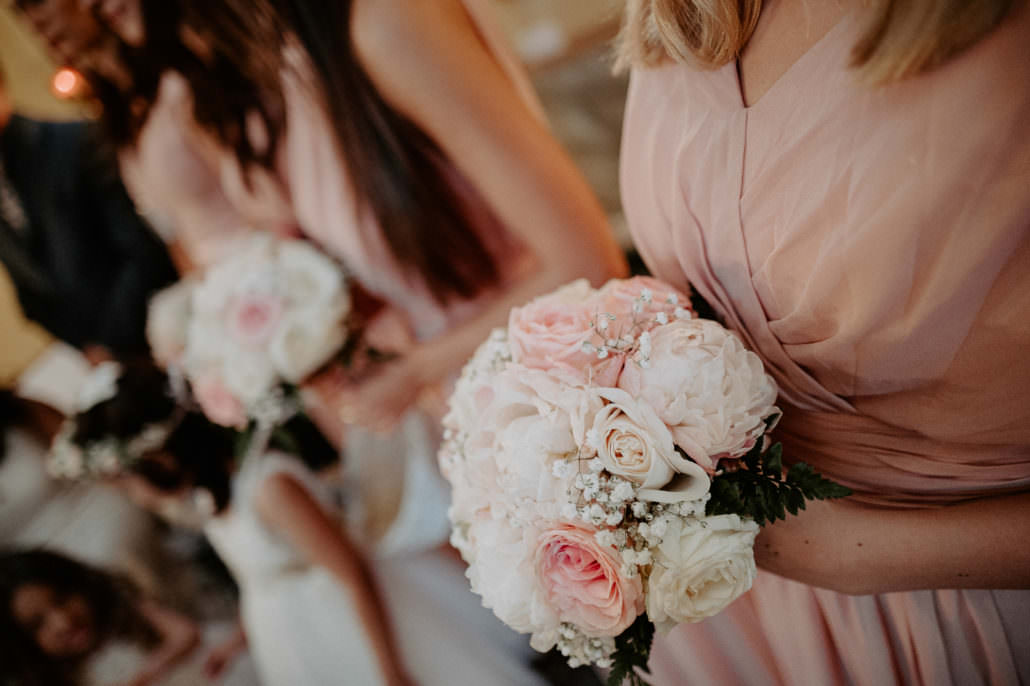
(271, 314)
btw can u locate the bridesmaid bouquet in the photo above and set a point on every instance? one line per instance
(271, 314)
(610, 469)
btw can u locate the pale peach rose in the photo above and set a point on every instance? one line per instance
(623, 297)
(549, 333)
(253, 317)
(632, 442)
(582, 580)
(218, 404)
(712, 393)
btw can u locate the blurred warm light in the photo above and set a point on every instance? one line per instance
(67, 83)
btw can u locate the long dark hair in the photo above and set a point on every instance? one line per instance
(113, 602)
(395, 168)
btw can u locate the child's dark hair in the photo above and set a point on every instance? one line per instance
(143, 397)
(203, 452)
(112, 600)
(11, 412)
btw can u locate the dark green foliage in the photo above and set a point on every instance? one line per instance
(759, 489)
(632, 649)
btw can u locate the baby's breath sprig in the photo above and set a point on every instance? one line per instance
(633, 340)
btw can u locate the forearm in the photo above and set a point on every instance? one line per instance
(289, 509)
(353, 572)
(179, 636)
(859, 549)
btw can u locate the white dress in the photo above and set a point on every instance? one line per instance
(88, 521)
(120, 661)
(301, 624)
(303, 628)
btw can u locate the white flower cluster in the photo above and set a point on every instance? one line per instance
(109, 455)
(106, 457)
(611, 504)
(581, 649)
(271, 313)
(635, 341)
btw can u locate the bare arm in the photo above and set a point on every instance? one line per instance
(288, 508)
(858, 549)
(219, 659)
(178, 637)
(428, 61)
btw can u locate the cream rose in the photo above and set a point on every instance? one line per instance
(301, 346)
(168, 317)
(700, 567)
(712, 393)
(632, 442)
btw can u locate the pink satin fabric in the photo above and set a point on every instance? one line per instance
(873, 246)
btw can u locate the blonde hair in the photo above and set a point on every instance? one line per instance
(900, 38)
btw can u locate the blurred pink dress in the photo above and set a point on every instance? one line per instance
(873, 246)
(173, 177)
(314, 184)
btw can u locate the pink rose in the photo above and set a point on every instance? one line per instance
(218, 404)
(253, 317)
(581, 579)
(549, 333)
(641, 299)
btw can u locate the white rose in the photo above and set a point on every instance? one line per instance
(712, 393)
(246, 269)
(248, 375)
(168, 316)
(525, 454)
(300, 347)
(505, 576)
(700, 567)
(632, 442)
(310, 276)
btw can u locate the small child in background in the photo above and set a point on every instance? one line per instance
(60, 620)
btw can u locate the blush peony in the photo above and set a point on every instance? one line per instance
(712, 393)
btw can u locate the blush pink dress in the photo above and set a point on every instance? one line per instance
(873, 246)
(314, 184)
(173, 176)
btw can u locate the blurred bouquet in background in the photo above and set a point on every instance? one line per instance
(610, 469)
(263, 319)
